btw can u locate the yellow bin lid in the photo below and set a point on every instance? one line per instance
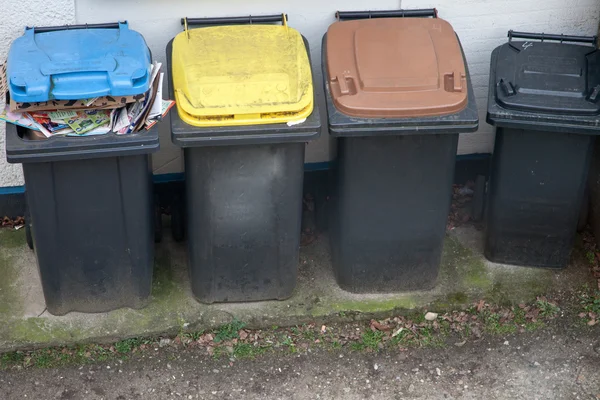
(241, 75)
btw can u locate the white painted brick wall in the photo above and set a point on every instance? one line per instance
(481, 25)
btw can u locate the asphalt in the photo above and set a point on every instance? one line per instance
(558, 362)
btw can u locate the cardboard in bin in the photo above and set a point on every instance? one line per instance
(395, 67)
(241, 75)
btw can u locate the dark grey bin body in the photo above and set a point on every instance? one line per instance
(543, 149)
(91, 209)
(392, 193)
(244, 213)
(244, 206)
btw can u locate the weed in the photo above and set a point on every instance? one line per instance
(309, 334)
(417, 317)
(127, 345)
(100, 353)
(445, 327)
(371, 339)
(400, 337)
(357, 346)
(519, 314)
(426, 337)
(472, 310)
(219, 351)
(493, 325)
(591, 257)
(532, 326)
(466, 332)
(44, 359)
(229, 331)
(547, 309)
(590, 301)
(246, 350)
(194, 335)
(12, 358)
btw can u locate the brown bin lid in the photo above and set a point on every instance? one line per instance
(395, 67)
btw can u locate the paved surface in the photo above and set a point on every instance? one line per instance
(465, 276)
(555, 363)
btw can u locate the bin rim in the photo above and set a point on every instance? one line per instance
(66, 148)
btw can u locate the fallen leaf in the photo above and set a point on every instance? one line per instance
(460, 344)
(243, 334)
(377, 326)
(323, 329)
(480, 305)
(592, 322)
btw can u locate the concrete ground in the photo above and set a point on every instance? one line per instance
(558, 362)
(465, 276)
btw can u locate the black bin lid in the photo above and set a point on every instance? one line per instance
(548, 77)
(545, 82)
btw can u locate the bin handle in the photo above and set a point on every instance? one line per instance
(547, 36)
(43, 29)
(250, 19)
(423, 12)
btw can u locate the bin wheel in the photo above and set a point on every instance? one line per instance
(478, 198)
(177, 219)
(28, 236)
(157, 221)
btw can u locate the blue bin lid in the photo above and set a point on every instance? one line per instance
(78, 62)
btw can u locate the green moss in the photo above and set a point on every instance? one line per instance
(452, 301)
(470, 269)
(368, 306)
(12, 239)
(163, 284)
(457, 298)
(10, 301)
(514, 285)
(40, 331)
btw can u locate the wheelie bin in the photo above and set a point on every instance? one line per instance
(544, 94)
(245, 106)
(398, 94)
(89, 198)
